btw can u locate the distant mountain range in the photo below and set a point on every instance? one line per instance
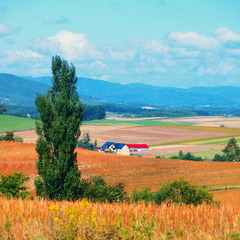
(23, 90)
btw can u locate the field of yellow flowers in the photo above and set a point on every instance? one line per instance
(34, 219)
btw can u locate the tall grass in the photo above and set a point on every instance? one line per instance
(33, 219)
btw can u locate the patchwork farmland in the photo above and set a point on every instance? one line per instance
(47, 219)
(164, 136)
(135, 172)
(186, 134)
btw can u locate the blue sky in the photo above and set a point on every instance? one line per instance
(180, 43)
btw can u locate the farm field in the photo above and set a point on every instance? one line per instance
(211, 121)
(33, 219)
(163, 139)
(14, 123)
(135, 172)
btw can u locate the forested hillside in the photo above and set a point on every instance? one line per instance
(21, 91)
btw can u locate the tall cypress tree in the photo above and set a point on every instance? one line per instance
(61, 113)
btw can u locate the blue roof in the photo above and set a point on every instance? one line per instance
(107, 144)
(119, 145)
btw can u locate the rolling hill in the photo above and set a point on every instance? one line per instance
(153, 95)
(16, 90)
(22, 91)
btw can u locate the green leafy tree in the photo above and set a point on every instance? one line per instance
(219, 158)
(181, 191)
(11, 186)
(8, 137)
(232, 151)
(187, 156)
(96, 189)
(58, 128)
(3, 108)
(86, 143)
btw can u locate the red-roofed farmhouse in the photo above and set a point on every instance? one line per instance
(137, 147)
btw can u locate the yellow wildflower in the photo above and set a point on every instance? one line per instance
(84, 203)
(93, 213)
(53, 207)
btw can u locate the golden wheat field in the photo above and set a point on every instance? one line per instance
(41, 219)
(33, 219)
(135, 172)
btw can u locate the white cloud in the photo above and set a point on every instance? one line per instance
(27, 62)
(4, 30)
(180, 59)
(234, 52)
(226, 35)
(193, 39)
(122, 55)
(151, 46)
(218, 69)
(155, 46)
(73, 46)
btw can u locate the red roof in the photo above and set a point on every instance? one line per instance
(137, 145)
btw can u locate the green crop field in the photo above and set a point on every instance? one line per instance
(214, 141)
(221, 140)
(144, 122)
(12, 123)
(204, 154)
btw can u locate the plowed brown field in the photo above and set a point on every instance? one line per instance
(129, 134)
(135, 172)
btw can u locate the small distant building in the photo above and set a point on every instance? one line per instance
(137, 147)
(123, 148)
(107, 147)
(117, 148)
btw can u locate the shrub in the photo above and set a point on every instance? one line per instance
(219, 158)
(97, 190)
(186, 156)
(142, 195)
(232, 151)
(18, 139)
(135, 155)
(181, 191)
(11, 186)
(8, 137)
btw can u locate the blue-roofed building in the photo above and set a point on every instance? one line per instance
(106, 146)
(119, 145)
(118, 148)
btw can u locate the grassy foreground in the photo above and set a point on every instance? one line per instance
(33, 219)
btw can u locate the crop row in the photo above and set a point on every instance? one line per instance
(198, 141)
(235, 131)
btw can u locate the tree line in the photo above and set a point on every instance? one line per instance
(89, 112)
